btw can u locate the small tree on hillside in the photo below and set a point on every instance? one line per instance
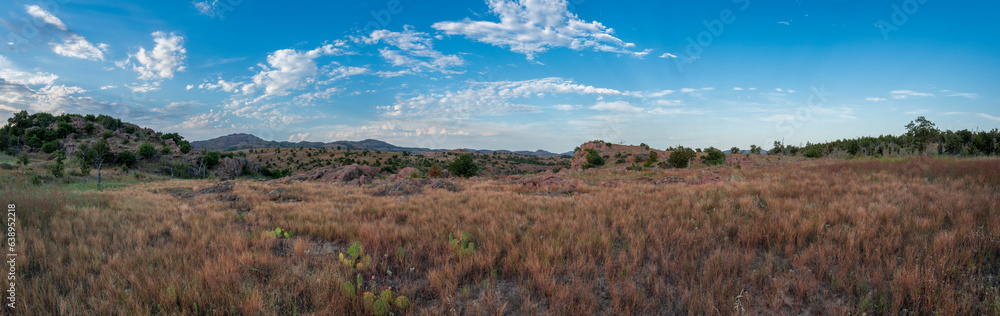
(734, 150)
(754, 150)
(146, 151)
(463, 166)
(681, 157)
(652, 159)
(714, 157)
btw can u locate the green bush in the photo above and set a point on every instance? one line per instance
(146, 151)
(714, 157)
(463, 166)
(593, 159)
(50, 147)
(185, 146)
(681, 157)
(813, 153)
(127, 158)
(652, 159)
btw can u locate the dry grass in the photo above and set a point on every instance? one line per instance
(834, 237)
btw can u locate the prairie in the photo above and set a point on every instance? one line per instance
(892, 236)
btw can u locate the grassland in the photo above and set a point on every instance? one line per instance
(901, 236)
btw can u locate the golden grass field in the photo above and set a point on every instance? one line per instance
(905, 236)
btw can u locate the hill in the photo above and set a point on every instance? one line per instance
(242, 141)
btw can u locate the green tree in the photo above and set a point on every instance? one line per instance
(813, 153)
(59, 167)
(755, 150)
(50, 147)
(734, 150)
(463, 166)
(593, 159)
(127, 158)
(185, 146)
(146, 151)
(652, 159)
(99, 154)
(920, 132)
(714, 156)
(681, 157)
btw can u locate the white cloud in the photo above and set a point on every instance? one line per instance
(415, 50)
(78, 47)
(674, 111)
(965, 95)
(535, 26)
(189, 87)
(668, 55)
(221, 84)
(40, 14)
(849, 117)
(875, 99)
(488, 98)
(565, 107)
(784, 22)
(904, 94)
(991, 117)
(915, 112)
(290, 69)
(737, 89)
(9, 72)
(310, 98)
(108, 87)
(615, 106)
(668, 102)
(145, 87)
(166, 58)
(73, 45)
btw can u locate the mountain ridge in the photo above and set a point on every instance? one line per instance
(239, 141)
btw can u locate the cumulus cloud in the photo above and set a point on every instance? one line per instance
(44, 16)
(530, 27)
(414, 50)
(668, 55)
(78, 47)
(12, 75)
(72, 45)
(223, 85)
(290, 69)
(166, 58)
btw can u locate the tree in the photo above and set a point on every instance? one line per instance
(755, 150)
(146, 151)
(652, 159)
(127, 158)
(593, 159)
(463, 166)
(813, 153)
(59, 167)
(714, 156)
(88, 128)
(681, 157)
(734, 150)
(98, 155)
(920, 132)
(185, 147)
(50, 147)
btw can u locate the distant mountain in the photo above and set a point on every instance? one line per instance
(247, 141)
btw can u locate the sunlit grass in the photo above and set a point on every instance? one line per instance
(859, 236)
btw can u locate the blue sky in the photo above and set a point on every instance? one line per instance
(520, 75)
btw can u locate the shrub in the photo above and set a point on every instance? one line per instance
(50, 147)
(652, 159)
(593, 159)
(813, 153)
(58, 168)
(463, 166)
(146, 151)
(714, 156)
(185, 146)
(127, 158)
(89, 128)
(681, 157)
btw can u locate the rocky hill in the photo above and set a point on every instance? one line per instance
(234, 142)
